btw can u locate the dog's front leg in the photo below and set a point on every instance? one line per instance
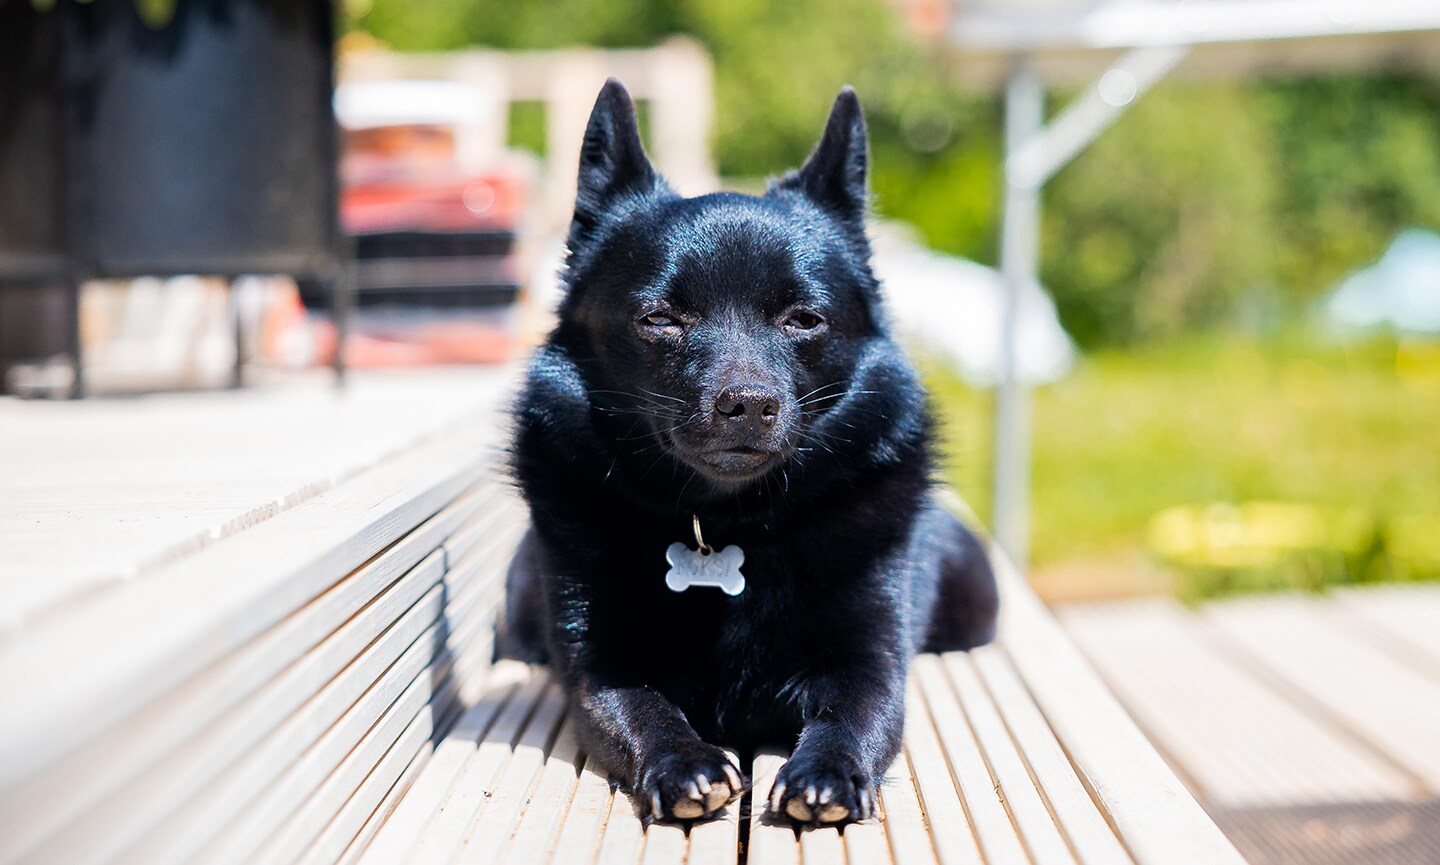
(852, 732)
(643, 738)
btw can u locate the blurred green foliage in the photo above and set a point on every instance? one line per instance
(1213, 417)
(1221, 548)
(1208, 202)
(1237, 202)
(1165, 222)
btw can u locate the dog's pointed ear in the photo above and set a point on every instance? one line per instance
(835, 174)
(613, 163)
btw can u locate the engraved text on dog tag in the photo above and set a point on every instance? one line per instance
(705, 567)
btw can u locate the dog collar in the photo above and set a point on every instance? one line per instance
(704, 566)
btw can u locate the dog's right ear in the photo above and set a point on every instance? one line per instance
(834, 176)
(613, 164)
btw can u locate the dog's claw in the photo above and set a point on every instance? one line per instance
(777, 793)
(733, 776)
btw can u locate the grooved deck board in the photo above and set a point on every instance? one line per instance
(505, 801)
(770, 843)
(584, 822)
(381, 813)
(955, 788)
(194, 613)
(155, 479)
(323, 827)
(1407, 618)
(536, 829)
(905, 824)
(1017, 791)
(1240, 741)
(821, 845)
(624, 837)
(450, 823)
(1155, 817)
(401, 831)
(1068, 801)
(1389, 705)
(102, 766)
(1304, 722)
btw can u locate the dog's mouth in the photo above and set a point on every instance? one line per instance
(738, 462)
(728, 464)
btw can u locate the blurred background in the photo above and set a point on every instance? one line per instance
(1233, 343)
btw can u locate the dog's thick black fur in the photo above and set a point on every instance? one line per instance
(726, 357)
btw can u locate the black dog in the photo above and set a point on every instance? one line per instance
(722, 366)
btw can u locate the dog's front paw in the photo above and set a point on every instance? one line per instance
(690, 783)
(822, 789)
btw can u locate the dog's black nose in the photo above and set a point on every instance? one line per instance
(750, 403)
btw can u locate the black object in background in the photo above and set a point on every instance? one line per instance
(205, 146)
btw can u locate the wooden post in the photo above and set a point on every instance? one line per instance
(75, 346)
(680, 81)
(574, 79)
(480, 144)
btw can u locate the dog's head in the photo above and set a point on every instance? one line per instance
(719, 328)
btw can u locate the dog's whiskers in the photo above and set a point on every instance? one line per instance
(653, 399)
(694, 473)
(823, 398)
(806, 396)
(642, 412)
(660, 435)
(810, 399)
(664, 396)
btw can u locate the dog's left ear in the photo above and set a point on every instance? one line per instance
(835, 174)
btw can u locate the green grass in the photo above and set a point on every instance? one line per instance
(1214, 418)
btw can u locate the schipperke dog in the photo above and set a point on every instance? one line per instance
(721, 410)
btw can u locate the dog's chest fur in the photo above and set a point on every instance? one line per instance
(734, 664)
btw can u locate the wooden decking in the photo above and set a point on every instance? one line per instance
(511, 785)
(1309, 726)
(96, 493)
(257, 627)
(234, 621)
(1013, 754)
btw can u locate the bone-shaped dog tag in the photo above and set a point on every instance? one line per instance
(718, 568)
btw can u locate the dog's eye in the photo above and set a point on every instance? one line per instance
(659, 319)
(801, 321)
